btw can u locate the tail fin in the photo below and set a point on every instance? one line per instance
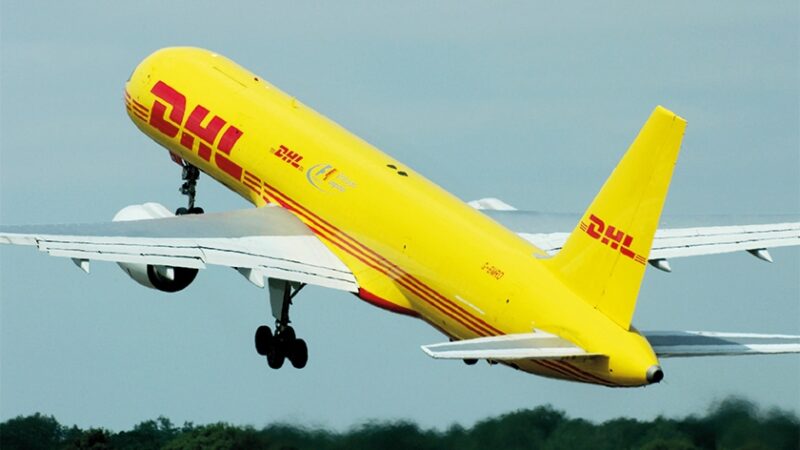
(604, 258)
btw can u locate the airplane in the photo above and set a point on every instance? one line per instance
(545, 294)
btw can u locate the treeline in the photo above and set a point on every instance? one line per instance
(731, 424)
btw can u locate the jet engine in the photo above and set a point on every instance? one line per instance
(162, 278)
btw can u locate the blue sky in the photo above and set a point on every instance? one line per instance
(530, 103)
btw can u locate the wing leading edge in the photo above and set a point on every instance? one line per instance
(267, 242)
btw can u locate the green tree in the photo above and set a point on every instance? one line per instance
(91, 439)
(523, 429)
(220, 436)
(733, 424)
(30, 433)
(389, 436)
(146, 435)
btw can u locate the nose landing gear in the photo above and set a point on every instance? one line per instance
(189, 175)
(283, 344)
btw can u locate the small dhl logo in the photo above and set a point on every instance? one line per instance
(191, 128)
(291, 157)
(611, 236)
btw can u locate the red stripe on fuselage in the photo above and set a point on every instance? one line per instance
(382, 303)
(407, 280)
(371, 262)
(560, 370)
(575, 372)
(389, 269)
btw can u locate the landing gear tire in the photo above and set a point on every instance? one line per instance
(280, 347)
(263, 340)
(283, 344)
(184, 211)
(275, 356)
(298, 353)
(288, 335)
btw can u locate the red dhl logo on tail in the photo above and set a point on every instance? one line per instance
(191, 129)
(611, 236)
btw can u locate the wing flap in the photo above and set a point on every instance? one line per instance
(174, 261)
(538, 345)
(673, 344)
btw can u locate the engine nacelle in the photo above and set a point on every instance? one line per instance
(163, 278)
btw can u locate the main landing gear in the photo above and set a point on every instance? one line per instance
(283, 344)
(190, 175)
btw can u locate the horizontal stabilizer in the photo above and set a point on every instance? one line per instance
(705, 343)
(538, 345)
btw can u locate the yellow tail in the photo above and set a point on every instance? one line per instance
(605, 257)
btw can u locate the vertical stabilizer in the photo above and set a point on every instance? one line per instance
(605, 257)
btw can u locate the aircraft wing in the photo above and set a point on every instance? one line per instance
(550, 231)
(705, 343)
(538, 345)
(261, 242)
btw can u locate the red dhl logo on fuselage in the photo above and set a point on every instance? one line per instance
(290, 157)
(191, 128)
(611, 236)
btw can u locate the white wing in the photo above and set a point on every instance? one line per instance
(538, 345)
(680, 242)
(261, 242)
(705, 343)
(550, 231)
(491, 203)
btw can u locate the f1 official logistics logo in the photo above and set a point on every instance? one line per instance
(327, 178)
(611, 236)
(191, 128)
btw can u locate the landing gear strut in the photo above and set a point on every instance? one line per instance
(190, 175)
(283, 344)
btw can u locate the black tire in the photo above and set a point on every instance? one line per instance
(288, 335)
(181, 211)
(275, 356)
(298, 353)
(263, 340)
(196, 210)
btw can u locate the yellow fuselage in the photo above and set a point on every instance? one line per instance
(413, 247)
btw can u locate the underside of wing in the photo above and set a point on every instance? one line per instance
(267, 242)
(705, 343)
(538, 345)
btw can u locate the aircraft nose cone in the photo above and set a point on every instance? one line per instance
(655, 374)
